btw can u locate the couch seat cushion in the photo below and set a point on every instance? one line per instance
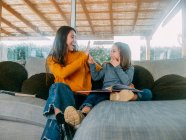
(138, 120)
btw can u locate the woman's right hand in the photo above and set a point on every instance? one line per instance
(87, 48)
(90, 59)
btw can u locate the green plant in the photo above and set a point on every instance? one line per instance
(100, 54)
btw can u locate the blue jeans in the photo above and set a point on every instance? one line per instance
(51, 131)
(95, 98)
(60, 96)
(145, 95)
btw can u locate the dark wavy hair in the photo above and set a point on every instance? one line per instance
(125, 54)
(60, 48)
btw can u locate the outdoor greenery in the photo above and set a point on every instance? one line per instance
(158, 53)
(99, 53)
(23, 51)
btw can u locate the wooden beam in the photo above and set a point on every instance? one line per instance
(87, 15)
(136, 14)
(111, 17)
(21, 18)
(13, 26)
(118, 25)
(35, 10)
(60, 11)
(105, 18)
(107, 11)
(62, 2)
(5, 32)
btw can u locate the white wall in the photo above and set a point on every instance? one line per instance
(3, 53)
(159, 68)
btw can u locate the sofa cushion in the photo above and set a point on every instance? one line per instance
(142, 78)
(170, 87)
(38, 85)
(21, 118)
(12, 76)
(141, 120)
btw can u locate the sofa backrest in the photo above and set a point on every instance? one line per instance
(35, 66)
(159, 68)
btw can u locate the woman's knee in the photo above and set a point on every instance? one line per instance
(60, 85)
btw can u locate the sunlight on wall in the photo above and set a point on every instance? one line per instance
(168, 35)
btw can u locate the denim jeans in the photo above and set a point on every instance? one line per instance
(51, 131)
(145, 95)
(95, 98)
(60, 96)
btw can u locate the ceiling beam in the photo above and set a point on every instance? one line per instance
(136, 13)
(111, 16)
(106, 11)
(21, 18)
(62, 14)
(35, 10)
(118, 26)
(13, 26)
(5, 32)
(62, 2)
(87, 15)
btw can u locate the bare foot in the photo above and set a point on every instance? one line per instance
(56, 110)
(86, 109)
(135, 97)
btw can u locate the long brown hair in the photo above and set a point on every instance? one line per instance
(59, 48)
(125, 54)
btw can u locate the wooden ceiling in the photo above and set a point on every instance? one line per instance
(95, 19)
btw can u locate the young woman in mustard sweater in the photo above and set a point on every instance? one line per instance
(71, 73)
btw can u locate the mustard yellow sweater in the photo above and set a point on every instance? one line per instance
(76, 73)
